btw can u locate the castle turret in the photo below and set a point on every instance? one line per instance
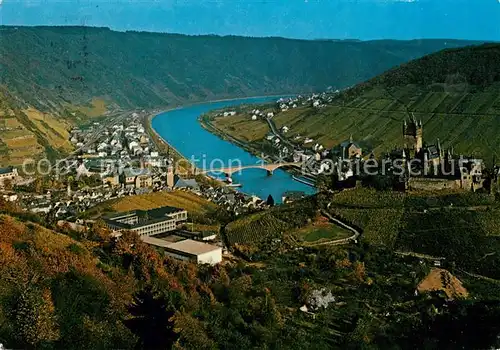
(412, 134)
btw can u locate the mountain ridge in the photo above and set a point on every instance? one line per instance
(456, 93)
(74, 73)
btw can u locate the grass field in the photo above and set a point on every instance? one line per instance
(321, 231)
(186, 200)
(96, 108)
(246, 129)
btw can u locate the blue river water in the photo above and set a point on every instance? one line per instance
(182, 130)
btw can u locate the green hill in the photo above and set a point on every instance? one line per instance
(455, 92)
(73, 73)
(46, 66)
(65, 289)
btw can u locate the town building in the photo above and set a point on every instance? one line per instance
(195, 251)
(413, 137)
(147, 222)
(351, 149)
(181, 183)
(8, 174)
(136, 178)
(348, 150)
(188, 250)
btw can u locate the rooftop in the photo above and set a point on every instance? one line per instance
(6, 170)
(156, 241)
(191, 247)
(190, 183)
(145, 217)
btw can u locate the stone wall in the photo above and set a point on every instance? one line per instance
(433, 184)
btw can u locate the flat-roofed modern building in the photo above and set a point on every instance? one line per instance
(8, 174)
(195, 251)
(188, 250)
(147, 222)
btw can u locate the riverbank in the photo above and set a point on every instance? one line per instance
(181, 128)
(206, 123)
(161, 140)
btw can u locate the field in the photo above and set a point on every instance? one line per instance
(255, 228)
(29, 133)
(55, 130)
(17, 143)
(198, 208)
(321, 231)
(462, 227)
(186, 200)
(246, 130)
(276, 223)
(95, 109)
(443, 280)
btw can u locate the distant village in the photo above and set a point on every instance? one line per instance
(119, 159)
(122, 161)
(424, 166)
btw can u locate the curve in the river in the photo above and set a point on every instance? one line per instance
(182, 130)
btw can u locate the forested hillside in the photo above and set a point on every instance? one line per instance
(47, 66)
(456, 94)
(62, 289)
(55, 77)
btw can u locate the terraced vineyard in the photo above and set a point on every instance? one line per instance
(468, 121)
(255, 228)
(383, 216)
(380, 226)
(457, 101)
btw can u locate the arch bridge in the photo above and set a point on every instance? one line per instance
(270, 168)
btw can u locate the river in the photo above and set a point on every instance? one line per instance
(181, 129)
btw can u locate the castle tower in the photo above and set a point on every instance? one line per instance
(412, 135)
(170, 176)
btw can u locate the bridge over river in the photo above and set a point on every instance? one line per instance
(270, 168)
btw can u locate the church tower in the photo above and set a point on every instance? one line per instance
(412, 135)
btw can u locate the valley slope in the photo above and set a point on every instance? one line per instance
(64, 75)
(455, 92)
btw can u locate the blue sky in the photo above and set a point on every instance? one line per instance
(309, 19)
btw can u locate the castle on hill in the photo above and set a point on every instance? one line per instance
(438, 169)
(431, 156)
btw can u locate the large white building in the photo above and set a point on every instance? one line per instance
(188, 250)
(147, 222)
(8, 174)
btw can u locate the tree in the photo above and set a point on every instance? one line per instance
(270, 201)
(34, 318)
(7, 184)
(152, 319)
